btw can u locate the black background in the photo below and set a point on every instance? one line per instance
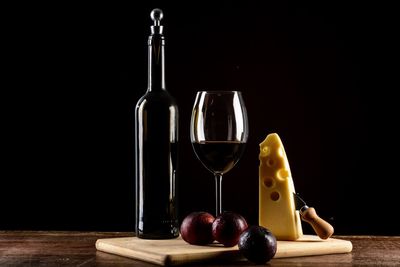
(73, 74)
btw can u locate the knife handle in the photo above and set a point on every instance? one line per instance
(323, 229)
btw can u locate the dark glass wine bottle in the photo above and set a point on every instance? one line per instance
(156, 133)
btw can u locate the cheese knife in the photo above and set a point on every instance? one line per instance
(308, 214)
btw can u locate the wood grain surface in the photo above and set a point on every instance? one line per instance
(20, 248)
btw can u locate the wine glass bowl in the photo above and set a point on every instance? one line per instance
(219, 132)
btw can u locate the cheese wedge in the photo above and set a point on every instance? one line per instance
(277, 210)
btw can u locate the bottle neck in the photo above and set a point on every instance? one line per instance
(156, 63)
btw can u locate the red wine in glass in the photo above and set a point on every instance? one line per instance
(219, 156)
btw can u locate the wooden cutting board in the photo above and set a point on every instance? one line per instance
(177, 251)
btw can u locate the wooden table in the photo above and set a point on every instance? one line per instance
(77, 249)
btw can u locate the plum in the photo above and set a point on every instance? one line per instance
(257, 244)
(196, 228)
(227, 228)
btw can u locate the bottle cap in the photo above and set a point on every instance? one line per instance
(156, 15)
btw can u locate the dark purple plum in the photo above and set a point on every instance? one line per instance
(257, 244)
(228, 227)
(196, 228)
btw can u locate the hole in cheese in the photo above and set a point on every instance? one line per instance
(283, 174)
(265, 151)
(275, 196)
(270, 162)
(269, 182)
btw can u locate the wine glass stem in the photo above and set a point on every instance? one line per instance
(218, 190)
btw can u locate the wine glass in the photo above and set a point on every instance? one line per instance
(219, 131)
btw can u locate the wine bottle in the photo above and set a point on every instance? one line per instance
(156, 134)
